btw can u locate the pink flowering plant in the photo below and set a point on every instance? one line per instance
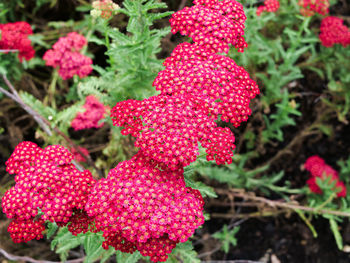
(153, 136)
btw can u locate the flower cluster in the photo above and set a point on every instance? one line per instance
(65, 55)
(46, 180)
(144, 204)
(212, 24)
(141, 207)
(319, 169)
(104, 9)
(333, 31)
(269, 6)
(94, 112)
(310, 7)
(14, 37)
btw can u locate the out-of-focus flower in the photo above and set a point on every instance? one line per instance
(319, 169)
(104, 9)
(90, 118)
(14, 36)
(310, 7)
(333, 31)
(65, 56)
(269, 6)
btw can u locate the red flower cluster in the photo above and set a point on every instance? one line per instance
(90, 118)
(144, 204)
(141, 207)
(310, 7)
(14, 36)
(319, 169)
(333, 31)
(212, 24)
(269, 6)
(46, 180)
(65, 56)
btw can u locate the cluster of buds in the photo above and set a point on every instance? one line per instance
(333, 31)
(94, 112)
(319, 169)
(14, 38)
(48, 182)
(65, 55)
(268, 6)
(104, 8)
(310, 7)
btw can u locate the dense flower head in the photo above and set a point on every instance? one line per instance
(65, 56)
(94, 112)
(333, 31)
(14, 36)
(46, 180)
(169, 128)
(212, 24)
(139, 205)
(216, 79)
(310, 7)
(79, 222)
(268, 6)
(26, 230)
(319, 169)
(103, 8)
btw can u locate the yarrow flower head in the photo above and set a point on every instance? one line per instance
(169, 128)
(45, 179)
(310, 7)
(333, 31)
(65, 56)
(94, 112)
(319, 169)
(212, 24)
(268, 6)
(140, 207)
(211, 78)
(104, 9)
(14, 36)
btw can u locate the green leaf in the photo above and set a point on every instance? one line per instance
(51, 229)
(227, 237)
(336, 233)
(184, 253)
(127, 258)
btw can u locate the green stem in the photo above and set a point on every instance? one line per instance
(52, 90)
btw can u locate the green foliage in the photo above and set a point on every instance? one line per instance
(132, 56)
(227, 237)
(280, 119)
(183, 253)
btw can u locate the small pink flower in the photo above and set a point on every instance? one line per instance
(14, 36)
(333, 31)
(65, 56)
(310, 7)
(269, 6)
(94, 112)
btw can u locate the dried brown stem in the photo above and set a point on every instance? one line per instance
(278, 204)
(32, 260)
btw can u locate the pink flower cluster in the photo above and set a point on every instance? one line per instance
(310, 7)
(319, 169)
(212, 24)
(46, 180)
(14, 36)
(269, 6)
(90, 118)
(333, 31)
(65, 55)
(139, 207)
